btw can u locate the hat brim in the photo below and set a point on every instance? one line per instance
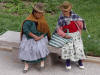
(63, 9)
(41, 11)
(65, 6)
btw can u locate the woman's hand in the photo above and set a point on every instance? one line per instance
(67, 37)
(36, 38)
(39, 37)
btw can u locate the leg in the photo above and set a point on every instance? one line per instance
(26, 67)
(78, 47)
(42, 64)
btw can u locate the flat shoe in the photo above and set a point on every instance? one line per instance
(25, 71)
(81, 67)
(68, 67)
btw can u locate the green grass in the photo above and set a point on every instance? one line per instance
(87, 9)
(10, 22)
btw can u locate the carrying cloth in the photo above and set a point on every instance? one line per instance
(41, 27)
(66, 20)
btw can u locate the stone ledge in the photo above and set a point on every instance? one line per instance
(14, 46)
(10, 41)
(10, 36)
(6, 48)
(93, 59)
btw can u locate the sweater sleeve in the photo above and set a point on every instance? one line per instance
(80, 24)
(30, 27)
(60, 32)
(26, 28)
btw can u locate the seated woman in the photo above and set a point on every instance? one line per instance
(34, 38)
(68, 20)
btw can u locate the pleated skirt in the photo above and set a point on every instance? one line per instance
(31, 50)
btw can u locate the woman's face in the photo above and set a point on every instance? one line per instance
(65, 13)
(38, 14)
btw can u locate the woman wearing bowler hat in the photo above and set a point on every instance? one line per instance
(71, 22)
(34, 38)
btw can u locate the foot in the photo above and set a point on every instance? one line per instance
(25, 71)
(81, 67)
(80, 64)
(68, 66)
(42, 64)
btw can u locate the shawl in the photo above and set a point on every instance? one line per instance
(63, 20)
(41, 27)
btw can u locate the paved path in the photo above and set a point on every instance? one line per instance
(9, 66)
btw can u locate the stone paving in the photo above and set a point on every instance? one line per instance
(10, 66)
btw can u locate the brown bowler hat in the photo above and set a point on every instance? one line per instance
(65, 6)
(39, 7)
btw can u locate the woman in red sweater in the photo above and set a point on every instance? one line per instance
(69, 21)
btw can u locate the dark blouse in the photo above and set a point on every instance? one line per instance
(30, 26)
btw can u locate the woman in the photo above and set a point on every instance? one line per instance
(71, 22)
(34, 37)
